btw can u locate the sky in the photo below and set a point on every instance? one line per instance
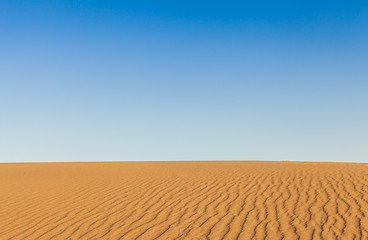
(183, 80)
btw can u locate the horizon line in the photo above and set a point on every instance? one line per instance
(206, 160)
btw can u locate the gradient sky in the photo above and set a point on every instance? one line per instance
(183, 80)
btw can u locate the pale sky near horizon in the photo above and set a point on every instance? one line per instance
(182, 80)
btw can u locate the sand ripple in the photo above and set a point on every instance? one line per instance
(184, 200)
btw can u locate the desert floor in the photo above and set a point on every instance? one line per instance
(184, 200)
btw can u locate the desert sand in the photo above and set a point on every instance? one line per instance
(184, 200)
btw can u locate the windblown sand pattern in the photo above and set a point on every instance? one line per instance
(184, 200)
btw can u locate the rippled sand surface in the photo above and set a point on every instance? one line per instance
(184, 200)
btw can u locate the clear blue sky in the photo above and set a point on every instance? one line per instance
(183, 80)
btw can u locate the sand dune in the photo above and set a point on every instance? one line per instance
(184, 200)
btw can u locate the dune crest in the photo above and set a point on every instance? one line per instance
(184, 200)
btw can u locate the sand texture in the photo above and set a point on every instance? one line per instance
(184, 200)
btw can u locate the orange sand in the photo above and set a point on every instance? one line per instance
(184, 200)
